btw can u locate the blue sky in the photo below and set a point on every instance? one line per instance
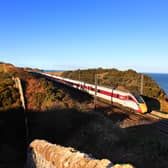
(71, 34)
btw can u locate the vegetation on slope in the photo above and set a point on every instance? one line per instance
(9, 94)
(128, 80)
(43, 94)
(40, 93)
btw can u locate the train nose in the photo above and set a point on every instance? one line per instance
(143, 108)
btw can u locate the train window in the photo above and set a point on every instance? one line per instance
(130, 98)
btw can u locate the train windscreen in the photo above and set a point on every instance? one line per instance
(139, 98)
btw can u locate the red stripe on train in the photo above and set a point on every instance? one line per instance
(121, 97)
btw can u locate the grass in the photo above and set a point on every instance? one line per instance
(163, 112)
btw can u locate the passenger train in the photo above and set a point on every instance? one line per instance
(131, 100)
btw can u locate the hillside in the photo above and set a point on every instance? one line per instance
(128, 80)
(9, 94)
(40, 93)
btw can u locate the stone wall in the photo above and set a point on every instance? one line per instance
(47, 155)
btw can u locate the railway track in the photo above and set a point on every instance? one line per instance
(132, 114)
(131, 118)
(135, 118)
(162, 126)
(152, 116)
(139, 119)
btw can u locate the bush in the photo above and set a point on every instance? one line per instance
(9, 95)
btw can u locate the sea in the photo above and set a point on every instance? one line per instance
(161, 79)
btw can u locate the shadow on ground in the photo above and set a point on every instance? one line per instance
(12, 138)
(92, 133)
(101, 137)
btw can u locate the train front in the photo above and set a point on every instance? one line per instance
(141, 103)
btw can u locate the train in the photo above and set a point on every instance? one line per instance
(132, 101)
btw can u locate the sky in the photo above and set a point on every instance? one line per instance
(79, 34)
